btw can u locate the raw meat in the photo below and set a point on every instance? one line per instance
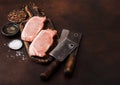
(32, 28)
(42, 43)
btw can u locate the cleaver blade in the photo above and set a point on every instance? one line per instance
(66, 46)
(58, 52)
(63, 35)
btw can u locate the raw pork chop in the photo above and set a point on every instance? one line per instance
(32, 27)
(42, 43)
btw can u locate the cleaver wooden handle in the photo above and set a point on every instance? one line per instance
(50, 70)
(70, 65)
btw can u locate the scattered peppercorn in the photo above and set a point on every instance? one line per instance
(17, 16)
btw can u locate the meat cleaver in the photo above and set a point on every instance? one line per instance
(67, 43)
(71, 61)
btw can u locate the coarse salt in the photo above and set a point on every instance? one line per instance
(15, 44)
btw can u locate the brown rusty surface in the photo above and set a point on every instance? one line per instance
(98, 60)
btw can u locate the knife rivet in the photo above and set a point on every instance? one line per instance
(76, 34)
(71, 45)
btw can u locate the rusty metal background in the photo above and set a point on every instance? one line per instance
(98, 60)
